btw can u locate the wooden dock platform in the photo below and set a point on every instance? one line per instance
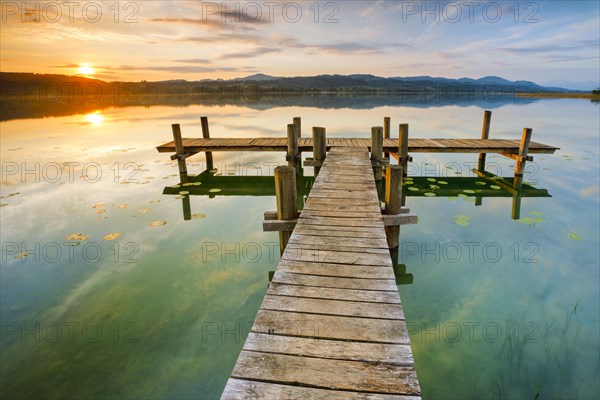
(196, 145)
(331, 325)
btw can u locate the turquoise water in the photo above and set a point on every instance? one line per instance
(497, 309)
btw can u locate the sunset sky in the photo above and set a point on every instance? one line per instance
(548, 42)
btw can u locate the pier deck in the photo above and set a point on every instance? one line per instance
(195, 145)
(331, 324)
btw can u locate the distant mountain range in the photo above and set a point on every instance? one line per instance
(14, 84)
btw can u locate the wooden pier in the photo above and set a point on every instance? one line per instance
(331, 324)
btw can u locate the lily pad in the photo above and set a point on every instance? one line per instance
(413, 189)
(98, 205)
(179, 197)
(430, 194)
(434, 186)
(442, 182)
(462, 220)
(527, 221)
(469, 191)
(22, 255)
(80, 237)
(156, 223)
(214, 190)
(536, 213)
(100, 211)
(122, 206)
(574, 236)
(112, 236)
(453, 198)
(406, 183)
(175, 186)
(198, 216)
(462, 195)
(431, 179)
(495, 187)
(481, 183)
(184, 192)
(144, 211)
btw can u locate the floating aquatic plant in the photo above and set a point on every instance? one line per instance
(431, 179)
(469, 191)
(183, 193)
(461, 220)
(413, 189)
(442, 182)
(430, 194)
(481, 183)
(98, 205)
(574, 236)
(495, 187)
(159, 222)
(122, 205)
(144, 211)
(214, 190)
(112, 236)
(198, 216)
(453, 198)
(80, 237)
(434, 186)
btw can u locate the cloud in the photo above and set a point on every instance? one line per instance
(193, 61)
(190, 69)
(251, 53)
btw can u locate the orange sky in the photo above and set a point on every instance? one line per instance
(155, 40)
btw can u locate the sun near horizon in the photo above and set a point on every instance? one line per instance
(86, 69)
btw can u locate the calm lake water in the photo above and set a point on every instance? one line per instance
(497, 308)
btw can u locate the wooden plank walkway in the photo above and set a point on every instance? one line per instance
(331, 325)
(196, 145)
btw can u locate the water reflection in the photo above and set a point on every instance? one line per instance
(472, 189)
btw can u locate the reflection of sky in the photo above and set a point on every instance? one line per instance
(174, 289)
(550, 42)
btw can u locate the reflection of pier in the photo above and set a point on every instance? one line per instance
(469, 187)
(331, 324)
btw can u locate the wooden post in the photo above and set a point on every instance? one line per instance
(377, 150)
(285, 192)
(485, 134)
(298, 122)
(206, 135)
(403, 147)
(183, 175)
(319, 147)
(393, 204)
(523, 149)
(292, 137)
(386, 133)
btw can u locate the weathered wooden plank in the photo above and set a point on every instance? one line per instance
(370, 243)
(372, 330)
(372, 296)
(324, 244)
(375, 222)
(336, 231)
(293, 252)
(396, 354)
(334, 213)
(254, 390)
(332, 307)
(335, 282)
(326, 373)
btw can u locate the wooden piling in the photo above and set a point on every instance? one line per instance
(179, 152)
(386, 134)
(285, 193)
(319, 147)
(523, 149)
(485, 134)
(377, 150)
(292, 145)
(393, 202)
(298, 122)
(403, 147)
(206, 135)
